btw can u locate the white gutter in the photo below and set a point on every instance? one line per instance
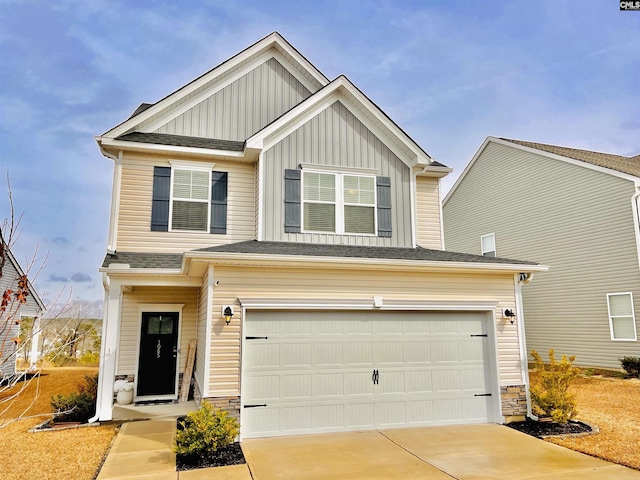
(636, 218)
(115, 198)
(522, 341)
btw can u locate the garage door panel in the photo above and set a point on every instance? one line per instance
(430, 365)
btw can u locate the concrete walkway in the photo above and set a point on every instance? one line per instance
(144, 450)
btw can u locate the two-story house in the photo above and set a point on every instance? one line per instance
(574, 210)
(293, 230)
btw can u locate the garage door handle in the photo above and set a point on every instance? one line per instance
(256, 338)
(482, 395)
(256, 405)
(483, 335)
(375, 377)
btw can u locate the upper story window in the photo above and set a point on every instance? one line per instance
(321, 200)
(190, 200)
(622, 321)
(189, 196)
(339, 203)
(488, 245)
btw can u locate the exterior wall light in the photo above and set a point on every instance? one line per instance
(227, 313)
(510, 314)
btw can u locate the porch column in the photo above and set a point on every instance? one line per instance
(109, 349)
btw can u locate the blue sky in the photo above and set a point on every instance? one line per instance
(449, 73)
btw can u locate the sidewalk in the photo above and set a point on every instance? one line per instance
(144, 450)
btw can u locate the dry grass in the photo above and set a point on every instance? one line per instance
(73, 453)
(611, 404)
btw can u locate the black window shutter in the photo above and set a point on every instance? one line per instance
(160, 199)
(292, 201)
(218, 202)
(384, 206)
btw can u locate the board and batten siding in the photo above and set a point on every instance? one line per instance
(576, 220)
(428, 220)
(291, 284)
(335, 137)
(243, 107)
(131, 319)
(134, 215)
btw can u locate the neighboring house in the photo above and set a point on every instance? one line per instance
(11, 276)
(264, 190)
(574, 210)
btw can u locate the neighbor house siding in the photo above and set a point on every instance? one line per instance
(131, 322)
(291, 284)
(335, 137)
(574, 219)
(428, 212)
(243, 107)
(134, 215)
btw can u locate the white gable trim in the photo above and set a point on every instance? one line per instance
(341, 89)
(259, 49)
(572, 161)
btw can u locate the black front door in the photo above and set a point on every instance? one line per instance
(158, 353)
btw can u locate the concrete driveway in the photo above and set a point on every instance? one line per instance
(460, 452)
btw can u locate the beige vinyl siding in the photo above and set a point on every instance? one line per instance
(335, 137)
(134, 215)
(576, 220)
(131, 318)
(243, 107)
(201, 333)
(428, 212)
(288, 284)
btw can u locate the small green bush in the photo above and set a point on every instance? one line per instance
(549, 389)
(79, 406)
(89, 358)
(204, 431)
(631, 365)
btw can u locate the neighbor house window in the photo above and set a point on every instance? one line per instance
(488, 243)
(339, 203)
(622, 321)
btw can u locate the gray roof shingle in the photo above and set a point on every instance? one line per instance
(630, 165)
(182, 141)
(145, 260)
(352, 251)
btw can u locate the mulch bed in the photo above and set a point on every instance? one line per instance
(545, 429)
(228, 455)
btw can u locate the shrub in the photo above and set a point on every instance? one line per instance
(204, 431)
(77, 406)
(89, 358)
(549, 390)
(631, 365)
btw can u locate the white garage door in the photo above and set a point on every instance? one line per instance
(327, 371)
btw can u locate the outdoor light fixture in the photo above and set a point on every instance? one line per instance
(227, 313)
(510, 314)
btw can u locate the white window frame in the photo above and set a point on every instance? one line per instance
(339, 202)
(611, 317)
(198, 167)
(484, 252)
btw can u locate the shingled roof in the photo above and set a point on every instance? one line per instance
(630, 165)
(182, 141)
(354, 251)
(145, 260)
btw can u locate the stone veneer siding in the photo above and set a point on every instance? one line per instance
(230, 404)
(514, 400)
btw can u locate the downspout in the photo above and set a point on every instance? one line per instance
(105, 316)
(517, 281)
(636, 218)
(115, 199)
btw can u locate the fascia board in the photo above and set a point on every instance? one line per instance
(363, 263)
(158, 148)
(273, 40)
